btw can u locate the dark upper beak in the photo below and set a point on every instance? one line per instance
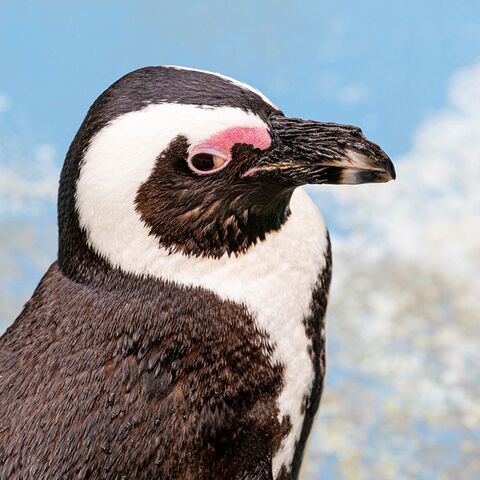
(305, 151)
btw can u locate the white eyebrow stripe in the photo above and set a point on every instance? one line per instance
(243, 85)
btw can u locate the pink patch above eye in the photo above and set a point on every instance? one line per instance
(224, 141)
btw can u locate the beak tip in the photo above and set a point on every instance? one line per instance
(390, 170)
(374, 168)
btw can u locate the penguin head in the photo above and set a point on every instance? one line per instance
(195, 163)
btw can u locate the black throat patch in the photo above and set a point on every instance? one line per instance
(221, 214)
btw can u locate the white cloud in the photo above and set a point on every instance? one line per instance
(4, 103)
(332, 88)
(45, 153)
(28, 189)
(27, 181)
(353, 93)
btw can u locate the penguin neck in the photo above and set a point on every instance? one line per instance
(229, 236)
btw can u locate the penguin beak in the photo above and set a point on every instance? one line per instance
(309, 152)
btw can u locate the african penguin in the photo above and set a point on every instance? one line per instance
(180, 334)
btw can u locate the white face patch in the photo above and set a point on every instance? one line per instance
(245, 86)
(121, 157)
(273, 279)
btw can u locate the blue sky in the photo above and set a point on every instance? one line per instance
(381, 65)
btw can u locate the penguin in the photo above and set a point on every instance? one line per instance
(180, 334)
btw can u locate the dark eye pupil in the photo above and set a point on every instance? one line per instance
(203, 162)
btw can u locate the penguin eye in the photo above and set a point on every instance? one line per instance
(206, 161)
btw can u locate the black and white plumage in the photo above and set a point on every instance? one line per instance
(180, 334)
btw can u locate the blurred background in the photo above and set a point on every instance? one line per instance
(402, 398)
